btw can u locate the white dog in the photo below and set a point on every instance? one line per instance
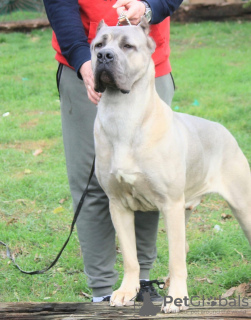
(151, 158)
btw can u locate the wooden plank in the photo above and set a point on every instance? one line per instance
(24, 26)
(219, 12)
(215, 2)
(206, 2)
(100, 311)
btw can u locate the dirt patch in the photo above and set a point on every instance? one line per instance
(30, 124)
(29, 145)
(214, 204)
(39, 112)
(35, 39)
(23, 208)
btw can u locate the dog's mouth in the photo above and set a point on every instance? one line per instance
(104, 78)
(107, 78)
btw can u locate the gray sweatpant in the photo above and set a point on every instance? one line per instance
(95, 230)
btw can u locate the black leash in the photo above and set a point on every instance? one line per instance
(81, 201)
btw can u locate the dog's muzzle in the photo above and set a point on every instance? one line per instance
(105, 72)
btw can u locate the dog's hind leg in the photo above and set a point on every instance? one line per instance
(236, 189)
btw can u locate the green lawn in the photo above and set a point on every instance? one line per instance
(211, 66)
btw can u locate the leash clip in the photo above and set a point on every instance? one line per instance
(122, 17)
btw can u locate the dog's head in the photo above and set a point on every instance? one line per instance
(120, 55)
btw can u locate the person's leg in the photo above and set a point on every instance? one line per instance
(146, 223)
(165, 87)
(95, 230)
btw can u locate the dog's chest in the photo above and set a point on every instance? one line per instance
(134, 190)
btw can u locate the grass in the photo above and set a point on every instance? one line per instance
(211, 66)
(22, 15)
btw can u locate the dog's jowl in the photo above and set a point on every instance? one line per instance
(151, 158)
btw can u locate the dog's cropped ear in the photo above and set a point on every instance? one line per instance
(101, 25)
(144, 25)
(146, 28)
(151, 44)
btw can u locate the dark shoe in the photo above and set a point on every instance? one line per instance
(147, 286)
(108, 298)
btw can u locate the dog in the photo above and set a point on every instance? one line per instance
(151, 158)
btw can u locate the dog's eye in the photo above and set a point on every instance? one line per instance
(99, 45)
(128, 46)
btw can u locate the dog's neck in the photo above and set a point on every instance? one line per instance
(124, 116)
(118, 104)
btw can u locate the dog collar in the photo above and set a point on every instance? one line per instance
(123, 16)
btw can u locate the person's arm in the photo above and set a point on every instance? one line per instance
(135, 9)
(65, 20)
(162, 9)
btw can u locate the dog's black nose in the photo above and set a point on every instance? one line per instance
(105, 56)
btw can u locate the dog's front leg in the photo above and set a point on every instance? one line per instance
(174, 216)
(123, 221)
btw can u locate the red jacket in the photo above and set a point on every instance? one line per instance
(92, 12)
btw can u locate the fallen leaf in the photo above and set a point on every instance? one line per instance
(21, 200)
(16, 295)
(204, 279)
(58, 210)
(37, 152)
(118, 249)
(241, 254)
(85, 294)
(38, 257)
(167, 282)
(205, 227)
(217, 269)
(226, 216)
(229, 292)
(11, 221)
(62, 201)
(35, 39)
(244, 289)
(27, 171)
(3, 255)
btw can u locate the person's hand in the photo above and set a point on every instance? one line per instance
(134, 9)
(87, 75)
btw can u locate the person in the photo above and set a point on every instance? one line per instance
(74, 25)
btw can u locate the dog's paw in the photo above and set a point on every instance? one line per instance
(123, 298)
(176, 301)
(174, 307)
